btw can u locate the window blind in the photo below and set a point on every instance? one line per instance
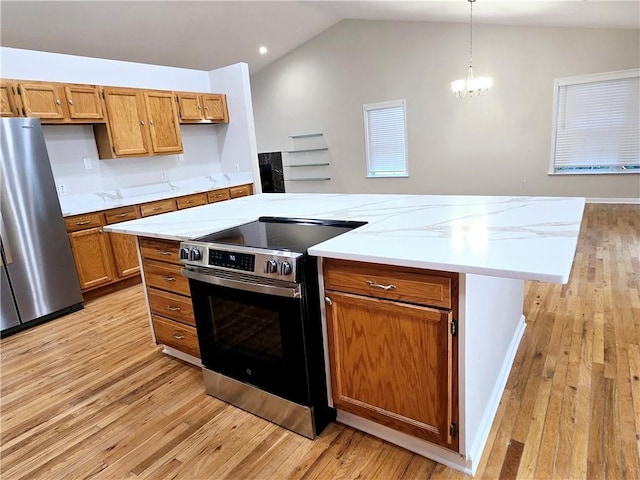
(598, 126)
(386, 139)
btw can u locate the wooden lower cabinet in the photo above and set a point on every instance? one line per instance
(92, 254)
(169, 296)
(125, 254)
(392, 362)
(124, 247)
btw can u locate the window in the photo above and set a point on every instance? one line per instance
(386, 139)
(596, 123)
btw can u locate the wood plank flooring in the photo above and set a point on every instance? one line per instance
(89, 396)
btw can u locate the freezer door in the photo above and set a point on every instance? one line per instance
(8, 313)
(41, 267)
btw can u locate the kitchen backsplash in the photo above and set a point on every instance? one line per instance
(68, 146)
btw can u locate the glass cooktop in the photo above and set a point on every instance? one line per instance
(276, 233)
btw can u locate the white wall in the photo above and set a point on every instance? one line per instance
(485, 145)
(204, 145)
(238, 150)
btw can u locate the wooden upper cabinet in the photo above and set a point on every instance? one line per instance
(141, 123)
(83, 102)
(163, 122)
(189, 106)
(9, 99)
(202, 107)
(42, 100)
(61, 103)
(127, 126)
(215, 108)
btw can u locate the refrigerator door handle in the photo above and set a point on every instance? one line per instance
(7, 250)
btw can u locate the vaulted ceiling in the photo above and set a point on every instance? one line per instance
(205, 35)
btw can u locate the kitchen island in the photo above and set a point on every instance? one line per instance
(492, 244)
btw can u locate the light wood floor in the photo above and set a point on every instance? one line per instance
(88, 396)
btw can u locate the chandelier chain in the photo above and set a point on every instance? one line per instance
(471, 33)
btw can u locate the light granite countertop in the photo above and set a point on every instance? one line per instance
(99, 201)
(531, 238)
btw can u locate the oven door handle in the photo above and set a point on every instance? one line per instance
(293, 292)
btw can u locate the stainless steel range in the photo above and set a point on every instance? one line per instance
(257, 309)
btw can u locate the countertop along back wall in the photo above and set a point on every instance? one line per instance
(487, 145)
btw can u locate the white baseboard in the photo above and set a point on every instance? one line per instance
(494, 400)
(630, 200)
(421, 447)
(181, 355)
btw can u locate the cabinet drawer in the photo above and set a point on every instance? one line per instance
(156, 249)
(241, 191)
(155, 208)
(122, 214)
(82, 222)
(166, 276)
(192, 200)
(171, 305)
(218, 195)
(402, 284)
(176, 335)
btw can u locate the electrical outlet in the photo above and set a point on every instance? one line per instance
(88, 163)
(62, 189)
(163, 176)
(237, 165)
(523, 184)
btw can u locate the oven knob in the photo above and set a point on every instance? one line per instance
(270, 266)
(285, 268)
(194, 254)
(184, 253)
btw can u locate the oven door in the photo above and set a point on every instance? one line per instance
(250, 335)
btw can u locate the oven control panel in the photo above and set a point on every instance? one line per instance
(282, 265)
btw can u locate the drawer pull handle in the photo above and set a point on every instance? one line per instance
(169, 279)
(173, 309)
(178, 337)
(122, 215)
(163, 252)
(382, 287)
(83, 223)
(155, 209)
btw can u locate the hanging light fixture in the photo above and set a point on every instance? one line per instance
(471, 86)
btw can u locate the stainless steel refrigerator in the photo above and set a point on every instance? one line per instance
(38, 277)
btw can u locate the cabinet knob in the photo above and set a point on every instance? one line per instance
(141, 122)
(58, 102)
(70, 102)
(150, 122)
(328, 301)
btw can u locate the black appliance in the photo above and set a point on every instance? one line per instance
(257, 308)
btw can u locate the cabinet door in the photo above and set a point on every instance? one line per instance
(189, 106)
(163, 122)
(392, 363)
(215, 108)
(127, 121)
(83, 102)
(92, 254)
(42, 100)
(125, 254)
(9, 107)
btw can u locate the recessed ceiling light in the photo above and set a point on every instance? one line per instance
(263, 50)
